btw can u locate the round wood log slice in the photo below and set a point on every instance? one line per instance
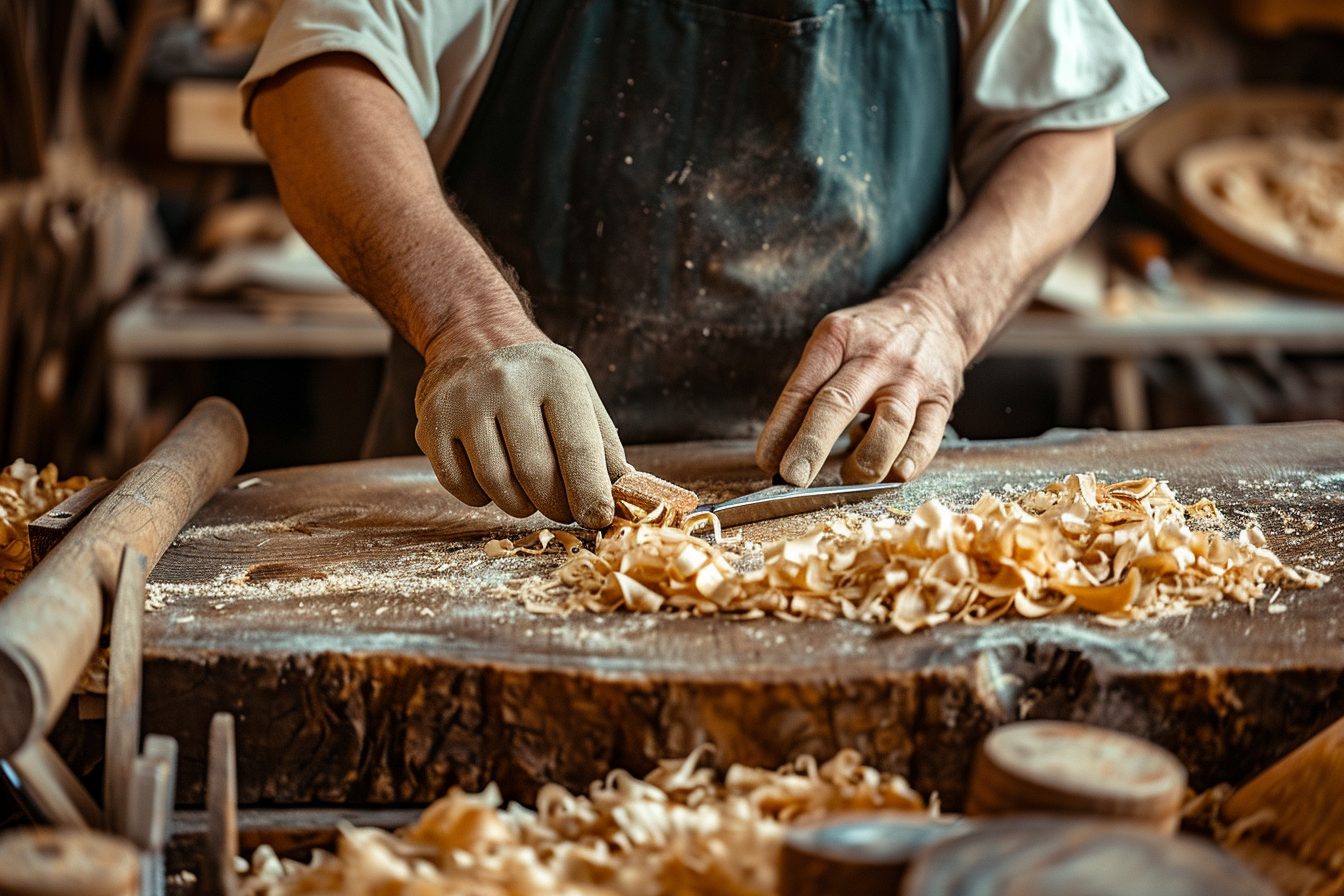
(1053, 857)
(1048, 766)
(859, 853)
(65, 862)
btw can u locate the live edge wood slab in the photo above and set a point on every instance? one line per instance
(350, 619)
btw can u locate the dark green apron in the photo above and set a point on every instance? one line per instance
(686, 189)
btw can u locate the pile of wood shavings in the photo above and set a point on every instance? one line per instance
(679, 830)
(25, 494)
(1123, 551)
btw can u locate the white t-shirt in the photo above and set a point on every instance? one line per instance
(1026, 65)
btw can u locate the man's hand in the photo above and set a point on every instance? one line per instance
(521, 426)
(898, 358)
(901, 356)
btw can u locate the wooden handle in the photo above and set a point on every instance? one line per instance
(49, 624)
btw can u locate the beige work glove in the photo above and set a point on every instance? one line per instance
(521, 426)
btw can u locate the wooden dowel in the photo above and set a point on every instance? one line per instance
(49, 624)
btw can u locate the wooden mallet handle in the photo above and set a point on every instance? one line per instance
(50, 623)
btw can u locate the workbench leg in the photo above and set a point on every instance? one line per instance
(127, 403)
(1127, 394)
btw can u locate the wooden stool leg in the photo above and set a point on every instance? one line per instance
(1127, 394)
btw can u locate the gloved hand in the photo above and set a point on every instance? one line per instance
(521, 426)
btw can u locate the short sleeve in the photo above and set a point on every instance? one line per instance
(403, 39)
(1038, 65)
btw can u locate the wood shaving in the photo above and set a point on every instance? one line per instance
(25, 494)
(679, 830)
(1123, 551)
(638, 495)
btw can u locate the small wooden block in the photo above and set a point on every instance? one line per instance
(67, 862)
(45, 532)
(1064, 767)
(645, 492)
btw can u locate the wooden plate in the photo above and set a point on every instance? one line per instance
(1206, 215)
(1152, 146)
(1053, 857)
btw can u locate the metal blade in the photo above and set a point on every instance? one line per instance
(785, 500)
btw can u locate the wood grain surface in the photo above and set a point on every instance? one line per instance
(348, 617)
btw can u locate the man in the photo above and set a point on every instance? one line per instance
(696, 195)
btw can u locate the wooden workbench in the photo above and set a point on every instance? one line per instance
(348, 616)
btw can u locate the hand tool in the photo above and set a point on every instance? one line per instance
(50, 623)
(786, 500)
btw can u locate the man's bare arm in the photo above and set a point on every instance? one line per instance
(358, 182)
(900, 357)
(504, 415)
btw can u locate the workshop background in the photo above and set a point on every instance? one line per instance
(145, 262)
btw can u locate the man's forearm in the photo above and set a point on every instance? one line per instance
(1040, 199)
(358, 183)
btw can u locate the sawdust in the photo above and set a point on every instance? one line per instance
(679, 830)
(1122, 552)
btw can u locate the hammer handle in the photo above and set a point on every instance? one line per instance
(50, 623)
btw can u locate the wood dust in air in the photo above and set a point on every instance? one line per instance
(681, 829)
(1123, 551)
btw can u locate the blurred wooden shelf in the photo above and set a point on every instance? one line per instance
(1278, 17)
(163, 324)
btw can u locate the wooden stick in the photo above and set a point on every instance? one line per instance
(49, 624)
(221, 806)
(48, 781)
(124, 675)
